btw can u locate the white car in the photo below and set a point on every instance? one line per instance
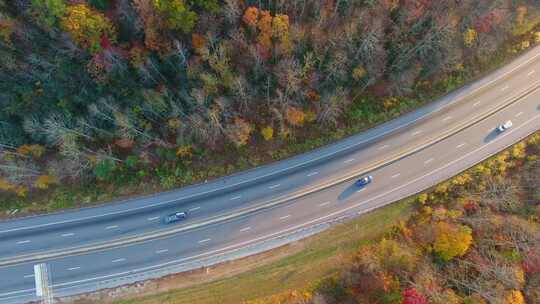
(505, 126)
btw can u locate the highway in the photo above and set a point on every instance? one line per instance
(118, 243)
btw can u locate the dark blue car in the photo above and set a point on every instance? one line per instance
(175, 217)
(363, 181)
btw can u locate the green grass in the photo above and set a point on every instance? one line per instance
(322, 257)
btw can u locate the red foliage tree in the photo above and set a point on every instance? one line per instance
(411, 296)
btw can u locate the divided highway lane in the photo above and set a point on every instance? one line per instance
(391, 182)
(105, 223)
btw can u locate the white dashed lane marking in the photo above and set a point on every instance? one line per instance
(274, 186)
(416, 133)
(383, 147)
(285, 217)
(428, 161)
(519, 114)
(194, 208)
(504, 88)
(68, 234)
(460, 145)
(312, 174)
(162, 251)
(324, 204)
(29, 276)
(153, 218)
(118, 260)
(236, 197)
(396, 175)
(73, 268)
(111, 227)
(348, 160)
(476, 103)
(531, 73)
(245, 229)
(447, 118)
(204, 241)
(23, 242)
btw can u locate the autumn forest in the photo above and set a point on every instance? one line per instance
(122, 93)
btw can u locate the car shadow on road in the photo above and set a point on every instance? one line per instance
(348, 192)
(491, 136)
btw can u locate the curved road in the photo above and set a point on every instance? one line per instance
(258, 209)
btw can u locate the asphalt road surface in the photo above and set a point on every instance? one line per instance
(404, 157)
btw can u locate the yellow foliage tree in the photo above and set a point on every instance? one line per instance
(184, 151)
(280, 30)
(5, 185)
(33, 150)
(514, 297)
(86, 26)
(44, 181)
(469, 37)
(21, 191)
(267, 133)
(451, 240)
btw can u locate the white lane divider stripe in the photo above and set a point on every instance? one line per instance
(274, 186)
(324, 204)
(153, 218)
(383, 147)
(531, 73)
(73, 268)
(360, 190)
(313, 173)
(447, 118)
(23, 242)
(68, 234)
(162, 251)
(118, 260)
(194, 208)
(519, 114)
(429, 160)
(111, 227)
(348, 160)
(476, 103)
(235, 198)
(285, 217)
(396, 175)
(416, 133)
(29, 276)
(504, 88)
(460, 145)
(204, 241)
(245, 229)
